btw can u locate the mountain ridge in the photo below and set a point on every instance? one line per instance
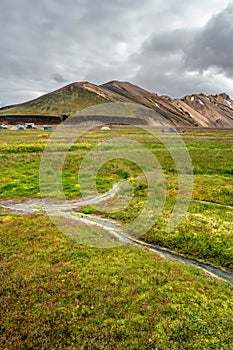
(195, 110)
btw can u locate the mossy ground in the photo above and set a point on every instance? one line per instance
(56, 294)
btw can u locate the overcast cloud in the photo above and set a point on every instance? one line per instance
(166, 46)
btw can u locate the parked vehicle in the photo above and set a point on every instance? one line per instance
(30, 126)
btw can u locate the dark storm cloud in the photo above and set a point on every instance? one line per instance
(212, 47)
(184, 61)
(161, 62)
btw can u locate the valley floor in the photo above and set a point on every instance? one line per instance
(59, 294)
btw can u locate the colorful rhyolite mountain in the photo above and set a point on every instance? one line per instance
(197, 110)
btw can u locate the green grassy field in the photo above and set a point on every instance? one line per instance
(56, 294)
(206, 232)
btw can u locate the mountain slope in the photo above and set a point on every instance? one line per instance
(197, 110)
(161, 104)
(213, 110)
(65, 101)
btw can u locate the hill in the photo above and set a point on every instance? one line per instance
(197, 110)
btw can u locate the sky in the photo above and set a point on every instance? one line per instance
(171, 47)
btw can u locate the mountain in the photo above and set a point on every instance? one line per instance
(66, 100)
(211, 111)
(197, 110)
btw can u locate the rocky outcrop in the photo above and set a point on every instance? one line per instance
(211, 111)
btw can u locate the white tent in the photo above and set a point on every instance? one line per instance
(105, 128)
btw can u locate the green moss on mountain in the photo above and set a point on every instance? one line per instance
(64, 101)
